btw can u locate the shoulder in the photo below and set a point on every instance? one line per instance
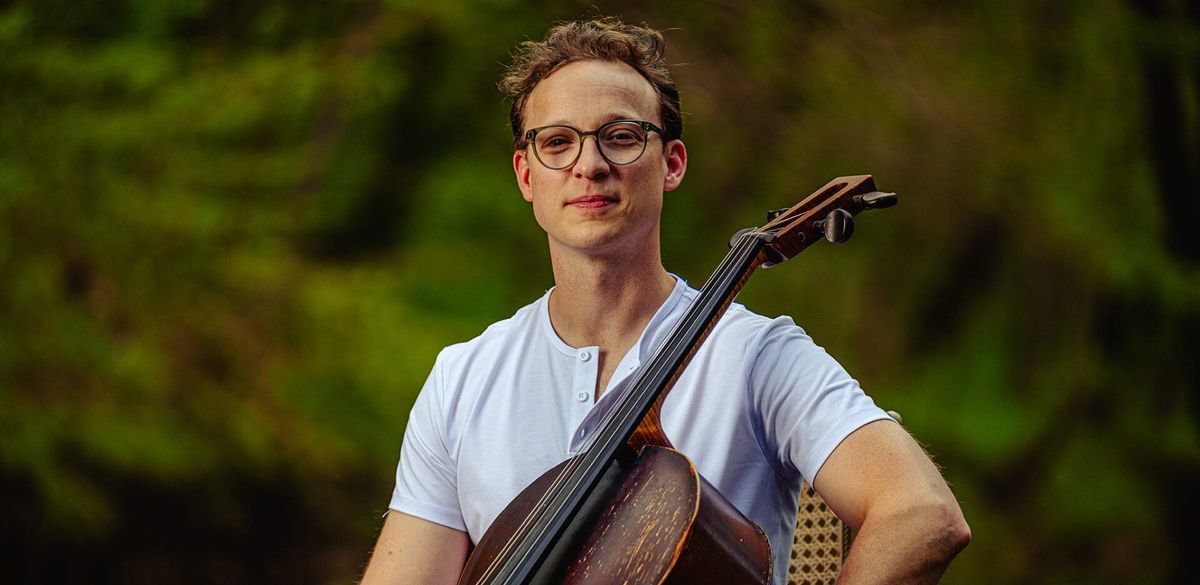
(744, 335)
(739, 321)
(757, 333)
(761, 348)
(776, 352)
(461, 370)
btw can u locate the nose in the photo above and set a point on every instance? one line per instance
(591, 164)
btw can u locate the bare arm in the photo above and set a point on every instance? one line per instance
(880, 481)
(417, 551)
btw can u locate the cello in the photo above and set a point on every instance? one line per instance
(629, 508)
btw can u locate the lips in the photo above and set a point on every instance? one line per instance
(592, 201)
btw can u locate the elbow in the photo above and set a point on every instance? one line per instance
(943, 531)
(963, 534)
(955, 533)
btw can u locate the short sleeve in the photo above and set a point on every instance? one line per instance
(426, 479)
(807, 402)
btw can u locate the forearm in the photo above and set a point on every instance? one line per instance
(914, 545)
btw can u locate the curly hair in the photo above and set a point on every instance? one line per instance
(599, 39)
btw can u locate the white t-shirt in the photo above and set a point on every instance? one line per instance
(759, 408)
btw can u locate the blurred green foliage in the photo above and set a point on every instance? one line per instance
(233, 235)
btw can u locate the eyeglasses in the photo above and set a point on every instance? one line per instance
(620, 142)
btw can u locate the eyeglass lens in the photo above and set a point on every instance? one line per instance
(620, 143)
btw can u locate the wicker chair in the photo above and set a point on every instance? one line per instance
(822, 540)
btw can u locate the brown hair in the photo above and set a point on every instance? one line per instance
(600, 39)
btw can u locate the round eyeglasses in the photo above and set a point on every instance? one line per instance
(620, 142)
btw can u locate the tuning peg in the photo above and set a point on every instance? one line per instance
(837, 226)
(874, 200)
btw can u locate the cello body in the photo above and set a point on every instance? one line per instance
(651, 519)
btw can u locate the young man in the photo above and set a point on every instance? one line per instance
(596, 131)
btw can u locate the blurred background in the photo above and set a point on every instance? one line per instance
(233, 236)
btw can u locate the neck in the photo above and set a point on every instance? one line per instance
(606, 301)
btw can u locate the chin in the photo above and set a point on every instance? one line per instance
(596, 243)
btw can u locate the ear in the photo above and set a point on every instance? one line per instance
(521, 168)
(675, 158)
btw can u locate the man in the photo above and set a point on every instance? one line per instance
(596, 131)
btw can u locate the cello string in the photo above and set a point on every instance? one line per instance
(675, 343)
(684, 324)
(541, 508)
(638, 385)
(555, 491)
(731, 266)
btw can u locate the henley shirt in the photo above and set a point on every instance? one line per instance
(759, 409)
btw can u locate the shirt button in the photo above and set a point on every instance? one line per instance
(582, 397)
(584, 356)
